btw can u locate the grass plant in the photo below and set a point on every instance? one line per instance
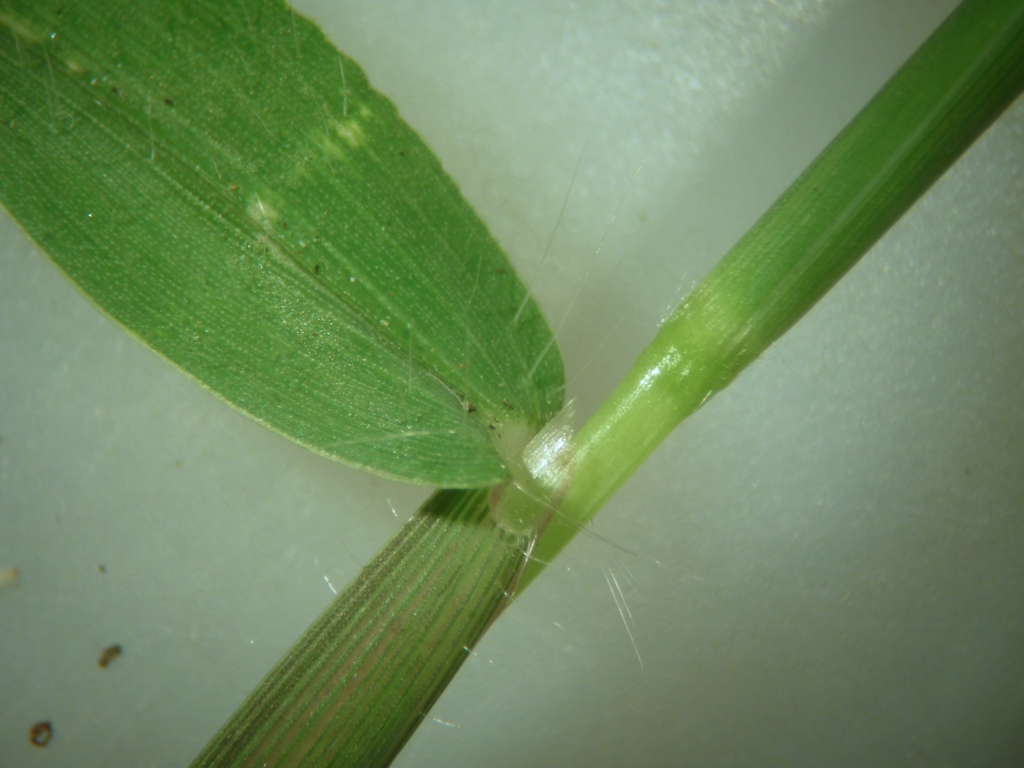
(925, 117)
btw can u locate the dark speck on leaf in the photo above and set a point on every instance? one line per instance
(316, 269)
(168, 102)
(508, 405)
(103, 568)
(41, 733)
(491, 427)
(470, 408)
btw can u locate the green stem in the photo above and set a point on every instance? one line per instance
(932, 109)
(353, 689)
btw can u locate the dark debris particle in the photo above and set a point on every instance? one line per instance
(508, 405)
(110, 653)
(103, 568)
(41, 733)
(470, 408)
(168, 102)
(316, 269)
(491, 427)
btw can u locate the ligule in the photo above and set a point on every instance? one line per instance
(353, 689)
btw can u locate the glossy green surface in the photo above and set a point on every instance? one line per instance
(227, 186)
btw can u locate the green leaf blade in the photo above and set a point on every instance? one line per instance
(228, 187)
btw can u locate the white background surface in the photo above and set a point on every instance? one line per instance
(824, 565)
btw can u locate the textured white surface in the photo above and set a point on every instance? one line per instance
(823, 566)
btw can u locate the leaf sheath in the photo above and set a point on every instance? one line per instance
(352, 690)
